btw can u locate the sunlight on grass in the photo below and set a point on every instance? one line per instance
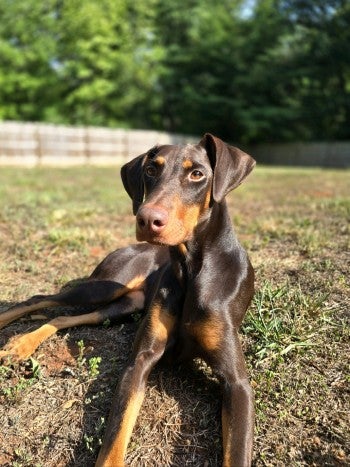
(282, 320)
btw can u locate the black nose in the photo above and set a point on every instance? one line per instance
(152, 219)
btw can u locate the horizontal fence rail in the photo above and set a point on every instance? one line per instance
(42, 143)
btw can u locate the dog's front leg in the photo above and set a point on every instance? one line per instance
(237, 408)
(150, 345)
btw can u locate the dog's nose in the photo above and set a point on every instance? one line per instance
(152, 218)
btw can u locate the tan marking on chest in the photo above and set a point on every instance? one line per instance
(162, 322)
(208, 333)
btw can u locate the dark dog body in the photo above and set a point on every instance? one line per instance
(195, 290)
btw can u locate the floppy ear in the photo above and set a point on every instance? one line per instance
(230, 165)
(131, 174)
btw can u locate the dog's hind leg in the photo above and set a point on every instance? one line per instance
(23, 346)
(38, 302)
(96, 292)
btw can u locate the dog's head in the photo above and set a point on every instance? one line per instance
(173, 187)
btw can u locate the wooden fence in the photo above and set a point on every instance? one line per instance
(314, 154)
(39, 143)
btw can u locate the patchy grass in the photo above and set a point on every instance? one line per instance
(57, 224)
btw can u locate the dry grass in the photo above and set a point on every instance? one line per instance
(56, 224)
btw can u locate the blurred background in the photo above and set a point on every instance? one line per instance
(246, 70)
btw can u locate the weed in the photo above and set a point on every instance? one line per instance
(89, 443)
(93, 441)
(278, 321)
(81, 360)
(94, 363)
(90, 367)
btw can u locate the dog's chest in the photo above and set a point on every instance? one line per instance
(199, 330)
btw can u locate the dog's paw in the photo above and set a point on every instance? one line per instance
(18, 349)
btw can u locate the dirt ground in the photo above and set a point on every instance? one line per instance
(57, 224)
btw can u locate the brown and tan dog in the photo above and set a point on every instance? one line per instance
(193, 279)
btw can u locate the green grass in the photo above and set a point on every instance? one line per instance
(57, 224)
(276, 321)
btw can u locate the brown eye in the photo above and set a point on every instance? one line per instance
(196, 175)
(151, 171)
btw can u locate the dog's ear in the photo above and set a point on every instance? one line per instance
(131, 174)
(230, 165)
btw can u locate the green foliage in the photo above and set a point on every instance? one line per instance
(278, 70)
(88, 368)
(28, 85)
(277, 321)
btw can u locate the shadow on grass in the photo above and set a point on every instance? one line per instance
(179, 422)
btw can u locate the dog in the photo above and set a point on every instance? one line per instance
(192, 277)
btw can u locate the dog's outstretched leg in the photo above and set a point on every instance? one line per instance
(98, 292)
(151, 342)
(22, 347)
(36, 303)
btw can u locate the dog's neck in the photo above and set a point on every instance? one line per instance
(213, 233)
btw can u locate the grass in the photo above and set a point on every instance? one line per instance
(275, 325)
(57, 224)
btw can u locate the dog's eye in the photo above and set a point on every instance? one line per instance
(196, 175)
(151, 171)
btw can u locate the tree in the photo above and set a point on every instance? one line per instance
(279, 71)
(199, 62)
(103, 60)
(28, 83)
(319, 51)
